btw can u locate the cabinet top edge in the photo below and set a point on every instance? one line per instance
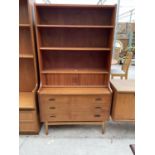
(74, 5)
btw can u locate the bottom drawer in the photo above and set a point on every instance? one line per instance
(85, 116)
(28, 121)
(27, 127)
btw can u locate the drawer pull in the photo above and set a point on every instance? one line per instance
(52, 99)
(52, 108)
(97, 107)
(99, 99)
(53, 116)
(97, 115)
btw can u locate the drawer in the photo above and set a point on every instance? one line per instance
(27, 127)
(90, 116)
(53, 99)
(26, 115)
(56, 107)
(57, 116)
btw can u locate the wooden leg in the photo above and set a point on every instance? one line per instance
(103, 128)
(126, 76)
(46, 128)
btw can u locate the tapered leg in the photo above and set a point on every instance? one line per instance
(103, 128)
(46, 128)
(126, 76)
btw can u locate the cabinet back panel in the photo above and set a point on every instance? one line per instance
(23, 12)
(81, 16)
(25, 42)
(75, 79)
(75, 60)
(26, 75)
(62, 37)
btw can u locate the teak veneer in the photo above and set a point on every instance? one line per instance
(28, 80)
(123, 106)
(74, 50)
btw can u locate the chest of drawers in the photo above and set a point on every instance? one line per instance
(74, 106)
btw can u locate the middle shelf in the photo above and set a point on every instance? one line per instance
(74, 71)
(74, 49)
(75, 26)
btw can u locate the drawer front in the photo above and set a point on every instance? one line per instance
(53, 99)
(27, 127)
(56, 108)
(55, 116)
(26, 115)
(90, 116)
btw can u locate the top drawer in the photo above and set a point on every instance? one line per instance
(53, 99)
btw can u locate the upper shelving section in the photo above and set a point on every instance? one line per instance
(93, 16)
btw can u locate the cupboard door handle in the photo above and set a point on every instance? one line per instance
(53, 116)
(52, 108)
(51, 99)
(98, 99)
(97, 115)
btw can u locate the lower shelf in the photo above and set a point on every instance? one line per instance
(26, 100)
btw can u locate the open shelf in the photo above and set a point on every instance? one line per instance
(74, 15)
(27, 81)
(50, 49)
(76, 26)
(25, 41)
(23, 12)
(75, 71)
(73, 37)
(26, 100)
(26, 56)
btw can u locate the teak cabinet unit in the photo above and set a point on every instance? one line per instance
(123, 106)
(28, 81)
(74, 49)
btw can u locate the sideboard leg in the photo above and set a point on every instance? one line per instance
(46, 128)
(103, 127)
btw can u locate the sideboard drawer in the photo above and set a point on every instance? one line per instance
(53, 99)
(90, 116)
(27, 127)
(56, 116)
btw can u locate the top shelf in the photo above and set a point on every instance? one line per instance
(74, 5)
